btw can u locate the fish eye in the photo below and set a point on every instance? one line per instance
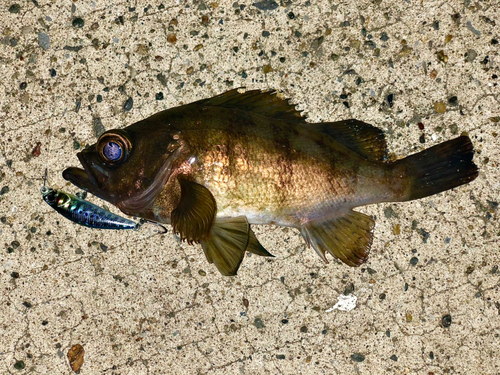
(114, 146)
(112, 151)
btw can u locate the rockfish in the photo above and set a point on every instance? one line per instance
(213, 167)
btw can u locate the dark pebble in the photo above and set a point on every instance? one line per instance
(76, 145)
(44, 322)
(303, 329)
(284, 321)
(99, 98)
(435, 25)
(27, 304)
(15, 244)
(265, 33)
(282, 59)
(358, 357)
(4, 190)
(421, 126)
(453, 100)
(33, 230)
(384, 37)
(390, 99)
(446, 321)
(382, 296)
(431, 355)
(494, 41)
(128, 104)
(349, 288)
(103, 247)
(53, 72)
(14, 275)
(15, 8)
(280, 356)
(414, 261)
(23, 85)
(291, 15)
(19, 365)
(298, 34)
(346, 104)
(324, 332)
(422, 138)
(266, 5)
(78, 22)
(159, 96)
(394, 357)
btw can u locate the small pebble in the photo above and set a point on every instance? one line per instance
(446, 321)
(14, 8)
(78, 22)
(44, 40)
(19, 365)
(266, 5)
(414, 261)
(471, 55)
(358, 357)
(23, 85)
(394, 357)
(258, 323)
(453, 100)
(159, 96)
(128, 104)
(172, 38)
(440, 107)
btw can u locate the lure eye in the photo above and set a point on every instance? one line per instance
(114, 146)
(51, 197)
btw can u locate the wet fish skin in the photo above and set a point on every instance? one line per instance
(213, 167)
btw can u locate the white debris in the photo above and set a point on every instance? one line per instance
(345, 303)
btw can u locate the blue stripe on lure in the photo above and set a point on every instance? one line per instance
(83, 212)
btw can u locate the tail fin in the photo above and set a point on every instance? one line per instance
(439, 168)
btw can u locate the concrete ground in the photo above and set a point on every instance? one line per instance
(426, 302)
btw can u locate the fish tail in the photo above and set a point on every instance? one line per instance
(439, 168)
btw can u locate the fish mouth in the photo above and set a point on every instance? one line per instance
(84, 178)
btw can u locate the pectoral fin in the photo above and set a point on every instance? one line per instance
(228, 241)
(347, 237)
(193, 217)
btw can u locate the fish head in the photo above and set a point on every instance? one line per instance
(127, 167)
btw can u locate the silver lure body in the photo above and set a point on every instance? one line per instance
(83, 212)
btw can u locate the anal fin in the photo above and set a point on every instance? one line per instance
(226, 245)
(255, 247)
(348, 237)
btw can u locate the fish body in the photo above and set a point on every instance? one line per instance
(82, 212)
(213, 167)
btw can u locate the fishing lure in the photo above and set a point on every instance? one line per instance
(83, 212)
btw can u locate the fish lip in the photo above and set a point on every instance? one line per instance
(82, 178)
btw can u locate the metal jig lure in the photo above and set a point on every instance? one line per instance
(83, 212)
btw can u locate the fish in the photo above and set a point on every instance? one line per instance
(217, 166)
(82, 212)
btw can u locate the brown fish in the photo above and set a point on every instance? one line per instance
(213, 167)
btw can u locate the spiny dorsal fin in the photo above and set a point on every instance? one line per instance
(264, 103)
(362, 138)
(347, 237)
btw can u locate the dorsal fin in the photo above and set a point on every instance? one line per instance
(362, 138)
(264, 103)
